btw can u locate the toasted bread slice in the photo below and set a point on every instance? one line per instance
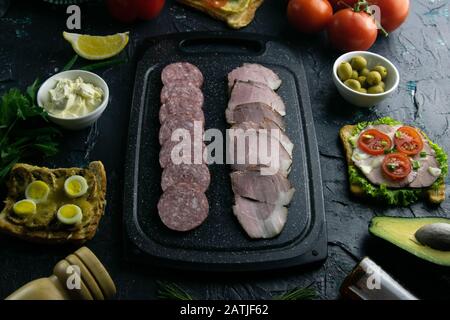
(43, 227)
(433, 195)
(235, 20)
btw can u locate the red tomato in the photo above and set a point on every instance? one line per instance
(129, 10)
(216, 3)
(352, 31)
(342, 4)
(393, 12)
(374, 142)
(408, 141)
(149, 9)
(396, 166)
(123, 10)
(309, 16)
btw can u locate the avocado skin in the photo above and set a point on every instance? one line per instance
(401, 232)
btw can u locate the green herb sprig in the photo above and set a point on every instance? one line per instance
(24, 130)
(171, 291)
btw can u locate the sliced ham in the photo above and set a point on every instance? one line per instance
(424, 177)
(256, 73)
(252, 92)
(243, 152)
(269, 126)
(254, 112)
(260, 220)
(274, 189)
(386, 129)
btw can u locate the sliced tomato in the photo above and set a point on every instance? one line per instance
(216, 3)
(408, 141)
(396, 166)
(374, 142)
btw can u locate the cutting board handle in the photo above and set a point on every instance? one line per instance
(222, 44)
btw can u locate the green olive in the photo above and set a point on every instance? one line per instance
(344, 71)
(364, 72)
(358, 63)
(383, 85)
(362, 81)
(353, 84)
(355, 75)
(373, 78)
(381, 70)
(375, 89)
(362, 90)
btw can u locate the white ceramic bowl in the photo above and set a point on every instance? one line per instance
(79, 122)
(363, 99)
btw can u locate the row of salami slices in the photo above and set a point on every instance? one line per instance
(183, 205)
(261, 199)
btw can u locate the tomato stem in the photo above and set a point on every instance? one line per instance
(383, 31)
(366, 5)
(340, 2)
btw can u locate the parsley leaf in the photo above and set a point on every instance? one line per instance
(24, 130)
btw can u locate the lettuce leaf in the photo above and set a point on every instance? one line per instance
(396, 197)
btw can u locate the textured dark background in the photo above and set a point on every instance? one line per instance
(32, 46)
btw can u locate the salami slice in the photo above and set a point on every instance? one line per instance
(184, 99)
(187, 90)
(166, 157)
(183, 207)
(178, 107)
(193, 174)
(182, 72)
(175, 122)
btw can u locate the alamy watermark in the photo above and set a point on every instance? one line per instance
(248, 147)
(73, 282)
(74, 20)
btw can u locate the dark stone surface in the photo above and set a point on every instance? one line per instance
(32, 46)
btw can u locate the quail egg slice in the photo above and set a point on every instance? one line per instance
(70, 214)
(24, 208)
(37, 191)
(75, 186)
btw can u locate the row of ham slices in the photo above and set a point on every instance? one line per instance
(260, 200)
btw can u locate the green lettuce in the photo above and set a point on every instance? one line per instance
(398, 197)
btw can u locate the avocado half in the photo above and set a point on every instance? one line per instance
(400, 231)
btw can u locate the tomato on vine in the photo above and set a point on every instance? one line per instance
(309, 16)
(353, 29)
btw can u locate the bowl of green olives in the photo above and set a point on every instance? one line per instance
(364, 79)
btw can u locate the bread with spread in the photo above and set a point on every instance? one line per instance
(237, 14)
(54, 206)
(394, 163)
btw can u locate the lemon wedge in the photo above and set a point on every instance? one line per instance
(37, 191)
(70, 214)
(75, 186)
(24, 207)
(97, 47)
